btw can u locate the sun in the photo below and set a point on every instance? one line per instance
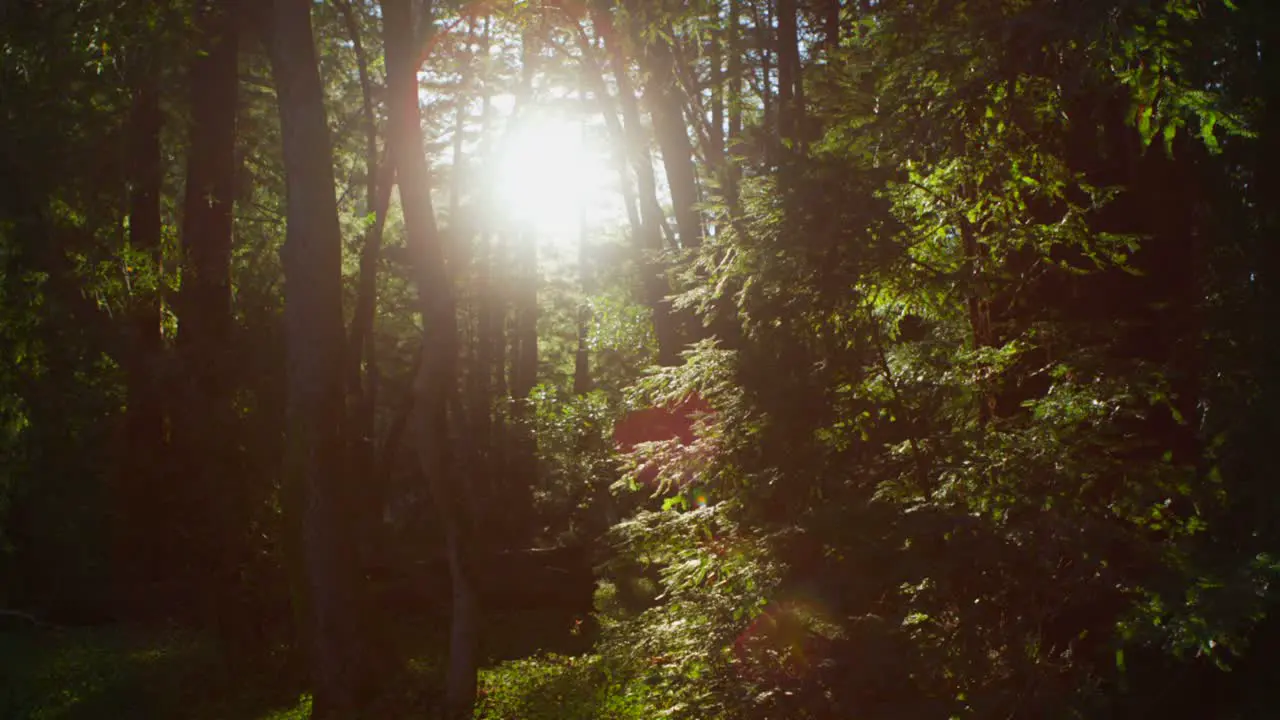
(552, 178)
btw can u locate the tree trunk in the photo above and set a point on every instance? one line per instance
(673, 140)
(717, 80)
(522, 467)
(594, 75)
(499, 280)
(362, 362)
(831, 24)
(141, 553)
(734, 94)
(648, 240)
(481, 372)
(436, 381)
(525, 368)
(514, 489)
(790, 94)
(315, 447)
(763, 20)
(204, 432)
(581, 358)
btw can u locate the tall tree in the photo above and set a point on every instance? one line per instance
(435, 386)
(141, 557)
(204, 428)
(790, 88)
(317, 487)
(362, 373)
(648, 236)
(665, 107)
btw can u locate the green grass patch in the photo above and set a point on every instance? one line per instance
(135, 673)
(560, 687)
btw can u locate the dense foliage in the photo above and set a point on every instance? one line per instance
(911, 360)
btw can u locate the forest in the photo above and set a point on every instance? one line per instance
(637, 359)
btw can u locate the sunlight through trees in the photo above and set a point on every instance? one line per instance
(582, 359)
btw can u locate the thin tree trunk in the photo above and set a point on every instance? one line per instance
(480, 374)
(790, 97)
(734, 93)
(717, 84)
(362, 362)
(522, 467)
(581, 359)
(763, 20)
(525, 368)
(499, 280)
(315, 455)
(522, 462)
(436, 380)
(204, 430)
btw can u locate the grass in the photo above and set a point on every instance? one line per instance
(166, 673)
(135, 673)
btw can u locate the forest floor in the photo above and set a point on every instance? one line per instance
(167, 673)
(138, 673)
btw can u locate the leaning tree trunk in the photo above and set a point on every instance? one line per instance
(315, 442)
(436, 382)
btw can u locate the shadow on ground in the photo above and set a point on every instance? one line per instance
(136, 673)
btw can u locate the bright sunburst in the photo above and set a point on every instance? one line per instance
(552, 176)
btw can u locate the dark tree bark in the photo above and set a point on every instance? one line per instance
(516, 495)
(436, 385)
(362, 363)
(762, 17)
(317, 494)
(204, 430)
(831, 24)
(141, 552)
(790, 93)
(1267, 185)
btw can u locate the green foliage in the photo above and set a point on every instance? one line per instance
(991, 381)
(552, 687)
